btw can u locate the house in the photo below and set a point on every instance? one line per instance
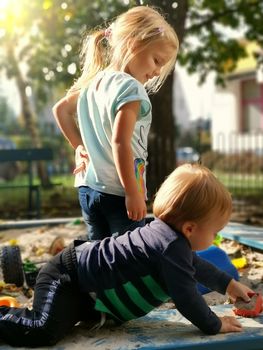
(237, 112)
(192, 101)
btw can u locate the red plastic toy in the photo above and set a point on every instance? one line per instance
(249, 309)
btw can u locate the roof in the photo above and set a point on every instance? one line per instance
(247, 66)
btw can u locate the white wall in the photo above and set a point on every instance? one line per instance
(225, 115)
(191, 100)
(226, 112)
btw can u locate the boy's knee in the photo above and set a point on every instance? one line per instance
(28, 337)
(44, 337)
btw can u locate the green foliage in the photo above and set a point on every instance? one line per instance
(209, 24)
(47, 35)
(51, 32)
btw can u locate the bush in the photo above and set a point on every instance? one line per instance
(211, 158)
(243, 163)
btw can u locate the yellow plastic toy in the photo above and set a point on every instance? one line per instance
(239, 263)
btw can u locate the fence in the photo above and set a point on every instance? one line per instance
(237, 162)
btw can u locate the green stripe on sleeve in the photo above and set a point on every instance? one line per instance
(118, 304)
(137, 298)
(155, 288)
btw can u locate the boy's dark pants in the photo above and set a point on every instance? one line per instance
(58, 305)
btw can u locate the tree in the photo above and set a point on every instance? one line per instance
(15, 26)
(8, 61)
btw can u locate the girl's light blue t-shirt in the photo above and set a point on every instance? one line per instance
(96, 110)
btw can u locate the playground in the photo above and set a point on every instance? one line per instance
(164, 328)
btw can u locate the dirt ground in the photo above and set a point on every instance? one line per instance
(35, 243)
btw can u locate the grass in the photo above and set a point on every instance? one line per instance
(65, 180)
(245, 185)
(56, 201)
(62, 200)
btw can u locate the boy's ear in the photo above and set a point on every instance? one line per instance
(189, 228)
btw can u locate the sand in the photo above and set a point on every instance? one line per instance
(35, 242)
(35, 245)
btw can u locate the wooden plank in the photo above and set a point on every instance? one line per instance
(251, 236)
(17, 224)
(162, 330)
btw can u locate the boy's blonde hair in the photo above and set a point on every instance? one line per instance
(138, 27)
(191, 193)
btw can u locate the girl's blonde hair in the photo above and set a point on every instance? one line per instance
(191, 193)
(108, 47)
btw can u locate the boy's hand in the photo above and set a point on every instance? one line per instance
(236, 290)
(81, 159)
(136, 206)
(230, 324)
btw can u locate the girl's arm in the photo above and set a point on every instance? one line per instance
(64, 112)
(123, 157)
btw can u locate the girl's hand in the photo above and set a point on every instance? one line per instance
(136, 206)
(230, 324)
(81, 159)
(236, 289)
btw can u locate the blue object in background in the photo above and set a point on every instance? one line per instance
(220, 259)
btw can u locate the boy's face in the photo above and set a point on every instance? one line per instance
(148, 63)
(202, 235)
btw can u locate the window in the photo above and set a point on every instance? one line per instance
(252, 106)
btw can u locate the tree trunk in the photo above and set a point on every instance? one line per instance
(161, 140)
(162, 156)
(28, 114)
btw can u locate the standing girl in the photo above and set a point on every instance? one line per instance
(121, 63)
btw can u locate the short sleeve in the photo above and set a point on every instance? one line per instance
(131, 90)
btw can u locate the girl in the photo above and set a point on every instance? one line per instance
(121, 63)
(126, 277)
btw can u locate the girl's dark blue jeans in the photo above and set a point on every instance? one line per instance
(105, 214)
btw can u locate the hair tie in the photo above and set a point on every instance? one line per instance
(108, 32)
(155, 31)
